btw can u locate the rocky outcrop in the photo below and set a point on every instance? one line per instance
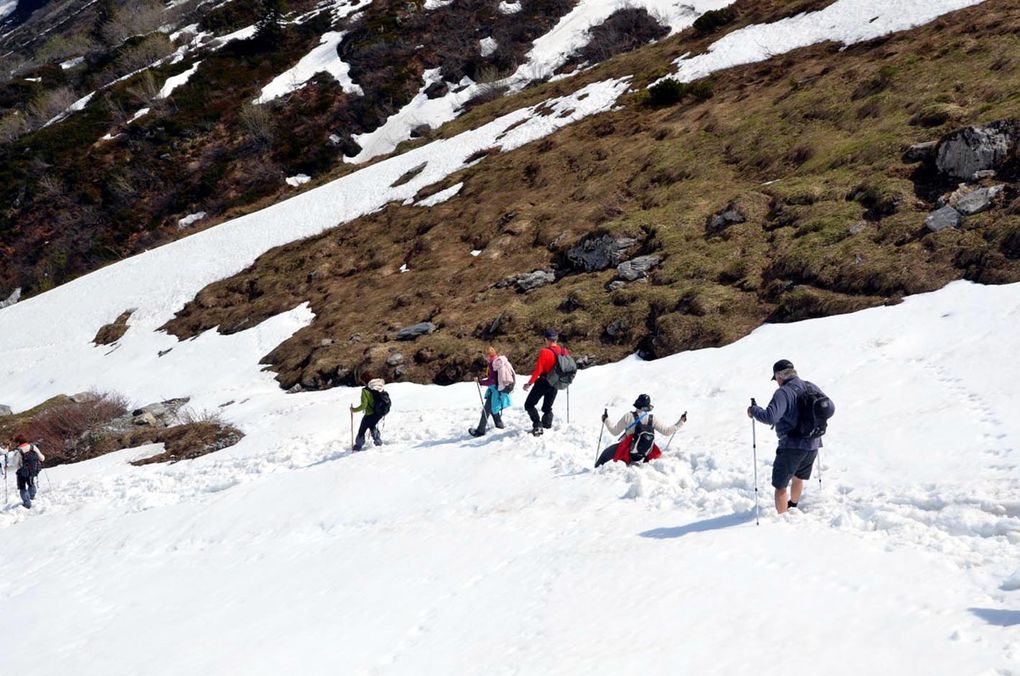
(940, 219)
(921, 152)
(416, 331)
(598, 252)
(965, 153)
(979, 200)
(731, 215)
(528, 281)
(5, 410)
(636, 268)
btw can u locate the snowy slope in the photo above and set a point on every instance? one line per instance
(509, 555)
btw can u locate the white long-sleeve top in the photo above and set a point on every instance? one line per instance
(628, 419)
(14, 457)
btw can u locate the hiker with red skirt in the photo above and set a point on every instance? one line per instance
(638, 429)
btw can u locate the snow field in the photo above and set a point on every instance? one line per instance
(508, 554)
(844, 21)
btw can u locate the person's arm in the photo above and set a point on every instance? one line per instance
(775, 410)
(669, 430)
(42, 458)
(490, 376)
(619, 427)
(365, 401)
(545, 362)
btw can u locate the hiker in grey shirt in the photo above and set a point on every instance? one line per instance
(794, 456)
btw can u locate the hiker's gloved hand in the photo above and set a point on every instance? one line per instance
(683, 418)
(605, 416)
(527, 386)
(749, 414)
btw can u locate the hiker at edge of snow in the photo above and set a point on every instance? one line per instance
(638, 428)
(554, 371)
(26, 460)
(375, 404)
(499, 382)
(798, 411)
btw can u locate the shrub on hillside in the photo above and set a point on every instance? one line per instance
(669, 92)
(142, 54)
(49, 104)
(70, 431)
(715, 19)
(138, 17)
(625, 30)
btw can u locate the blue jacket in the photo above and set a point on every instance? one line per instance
(782, 414)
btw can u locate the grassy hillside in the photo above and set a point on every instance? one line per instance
(807, 147)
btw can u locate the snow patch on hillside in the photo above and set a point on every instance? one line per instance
(572, 32)
(322, 59)
(176, 81)
(441, 196)
(7, 7)
(845, 21)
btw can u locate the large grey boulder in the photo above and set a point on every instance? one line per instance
(971, 150)
(416, 331)
(599, 252)
(979, 200)
(946, 217)
(636, 268)
(5, 410)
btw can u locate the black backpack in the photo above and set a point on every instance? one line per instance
(380, 402)
(563, 371)
(813, 412)
(644, 439)
(30, 463)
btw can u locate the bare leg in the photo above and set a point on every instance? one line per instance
(781, 500)
(797, 489)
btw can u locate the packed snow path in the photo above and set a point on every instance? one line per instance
(508, 554)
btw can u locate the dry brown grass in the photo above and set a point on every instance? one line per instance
(657, 175)
(70, 431)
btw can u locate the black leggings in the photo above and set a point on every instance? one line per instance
(25, 482)
(368, 422)
(541, 390)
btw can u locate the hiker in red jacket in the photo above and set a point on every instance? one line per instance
(543, 389)
(638, 429)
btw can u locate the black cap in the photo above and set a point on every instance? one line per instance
(551, 334)
(643, 401)
(781, 365)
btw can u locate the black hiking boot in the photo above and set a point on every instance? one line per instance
(497, 421)
(536, 431)
(475, 433)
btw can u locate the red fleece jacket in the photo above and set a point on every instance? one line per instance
(546, 361)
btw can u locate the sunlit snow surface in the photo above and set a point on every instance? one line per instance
(845, 21)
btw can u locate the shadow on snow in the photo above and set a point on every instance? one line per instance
(715, 523)
(998, 617)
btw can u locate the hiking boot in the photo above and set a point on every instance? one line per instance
(376, 438)
(497, 420)
(536, 431)
(475, 433)
(26, 501)
(359, 443)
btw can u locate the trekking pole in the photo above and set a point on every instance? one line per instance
(819, 471)
(352, 428)
(602, 428)
(754, 450)
(481, 400)
(568, 405)
(683, 417)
